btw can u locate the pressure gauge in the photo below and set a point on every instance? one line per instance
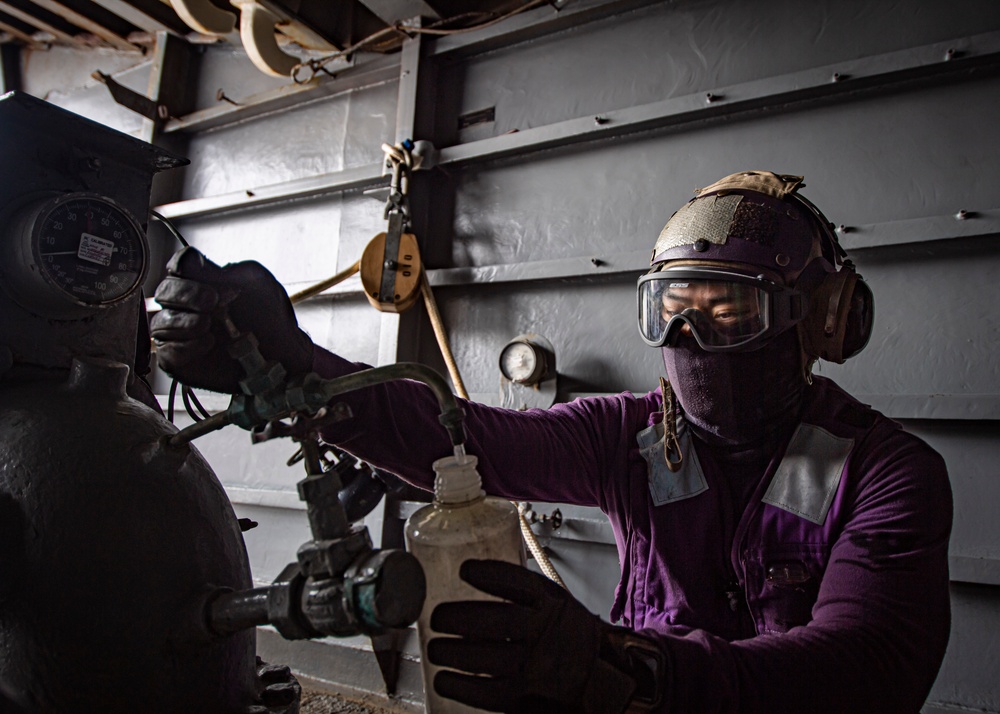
(73, 253)
(527, 359)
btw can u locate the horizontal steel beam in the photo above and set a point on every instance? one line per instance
(134, 15)
(24, 37)
(36, 22)
(966, 222)
(967, 569)
(358, 178)
(872, 236)
(974, 407)
(532, 24)
(385, 68)
(85, 23)
(378, 70)
(596, 529)
(838, 81)
(921, 64)
(264, 497)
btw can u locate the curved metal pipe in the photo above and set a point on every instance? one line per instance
(234, 611)
(451, 413)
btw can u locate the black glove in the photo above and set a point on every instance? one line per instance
(190, 333)
(540, 652)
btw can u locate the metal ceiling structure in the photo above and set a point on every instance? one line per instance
(128, 25)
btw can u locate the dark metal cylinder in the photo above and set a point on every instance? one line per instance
(110, 544)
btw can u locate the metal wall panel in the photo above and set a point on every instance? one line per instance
(62, 76)
(970, 450)
(934, 332)
(674, 49)
(339, 132)
(512, 230)
(593, 352)
(301, 243)
(863, 162)
(968, 678)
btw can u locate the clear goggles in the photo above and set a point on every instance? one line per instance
(723, 310)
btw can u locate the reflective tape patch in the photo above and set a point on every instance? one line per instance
(666, 486)
(705, 219)
(809, 475)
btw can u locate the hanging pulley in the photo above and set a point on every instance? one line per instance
(391, 270)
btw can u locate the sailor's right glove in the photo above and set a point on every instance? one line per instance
(191, 334)
(539, 650)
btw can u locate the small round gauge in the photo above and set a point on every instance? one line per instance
(77, 249)
(523, 362)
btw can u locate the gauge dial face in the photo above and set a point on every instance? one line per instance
(89, 248)
(519, 362)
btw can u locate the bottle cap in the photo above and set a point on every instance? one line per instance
(457, 480)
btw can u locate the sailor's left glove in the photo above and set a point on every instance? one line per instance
(539, 650)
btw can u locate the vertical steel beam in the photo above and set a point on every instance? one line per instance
(168, 83)
(10, 67)
(396, 330)
(169, 86)
(391, 324)
(409, 76)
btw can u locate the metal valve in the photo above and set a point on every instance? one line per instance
(553, 519)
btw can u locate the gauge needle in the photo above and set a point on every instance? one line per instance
(61, 252)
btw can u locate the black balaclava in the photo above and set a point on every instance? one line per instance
(738, 400)
(751, 222)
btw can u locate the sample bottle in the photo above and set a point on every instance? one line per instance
(460, 524)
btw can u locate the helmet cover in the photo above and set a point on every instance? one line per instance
(753, 219)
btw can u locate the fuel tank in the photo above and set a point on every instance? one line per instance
(110, 544)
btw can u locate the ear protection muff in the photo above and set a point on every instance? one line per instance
(839, 320)
(841, 312)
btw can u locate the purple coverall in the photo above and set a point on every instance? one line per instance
(824, 588)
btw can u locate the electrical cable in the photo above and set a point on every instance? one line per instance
(318, 65)
(186, 396)
(171, 399)
(170, 227)
(194, 400)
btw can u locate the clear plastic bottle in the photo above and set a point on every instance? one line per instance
(462, 523)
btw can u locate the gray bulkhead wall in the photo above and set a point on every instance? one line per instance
(541, 219)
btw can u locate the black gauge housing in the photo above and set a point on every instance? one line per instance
(73, 253)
